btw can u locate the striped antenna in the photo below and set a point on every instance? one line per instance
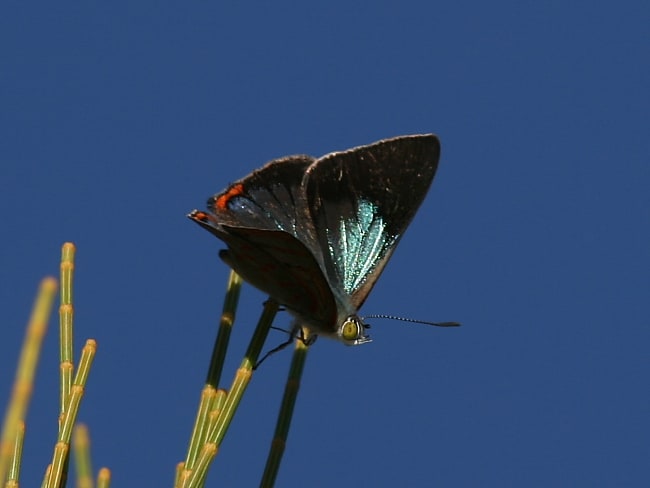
(404, 319)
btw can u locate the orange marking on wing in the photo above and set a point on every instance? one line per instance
(233, 191)
(198, 215)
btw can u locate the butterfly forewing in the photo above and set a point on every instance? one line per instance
(269, 198)
(362, 200)
(259, 217)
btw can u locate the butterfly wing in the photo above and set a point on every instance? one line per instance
(361, 202)
(270, 198)
(263, 218)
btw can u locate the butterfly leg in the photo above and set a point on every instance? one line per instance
(292, 335)
(296, 332)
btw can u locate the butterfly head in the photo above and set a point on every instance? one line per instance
(352, 331)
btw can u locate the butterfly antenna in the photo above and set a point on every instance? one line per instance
(404, 319)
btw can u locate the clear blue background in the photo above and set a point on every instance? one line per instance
(118, 118)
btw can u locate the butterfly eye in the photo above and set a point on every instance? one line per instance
(351, 329)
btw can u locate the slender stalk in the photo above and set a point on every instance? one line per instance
(66, 319)
(225, 327)
(24, 380)
(58, 468)
(14, 470)
(48, 472)
(244, 373)
(66, 353)
(61, 451)
(81, 450)
(199, 432)
(240, 382)
(209, 393)
(286, 412)
(104, 478)
(217, 407)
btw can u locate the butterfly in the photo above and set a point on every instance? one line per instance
(315, 234)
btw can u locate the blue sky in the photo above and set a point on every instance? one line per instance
(117, 119)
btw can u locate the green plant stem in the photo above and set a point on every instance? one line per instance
(24, 381)
(244, 373)
(286, 412)
(66, 320)
(209, 393)
(225, 327)
(242, 378)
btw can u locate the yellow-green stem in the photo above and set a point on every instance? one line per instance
(27, 363)
(66, 319)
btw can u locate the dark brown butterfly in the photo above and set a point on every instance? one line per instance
(315, 234)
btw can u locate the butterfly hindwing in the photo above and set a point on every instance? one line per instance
(281, 266)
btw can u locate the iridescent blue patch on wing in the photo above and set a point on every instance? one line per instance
(358, 245)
